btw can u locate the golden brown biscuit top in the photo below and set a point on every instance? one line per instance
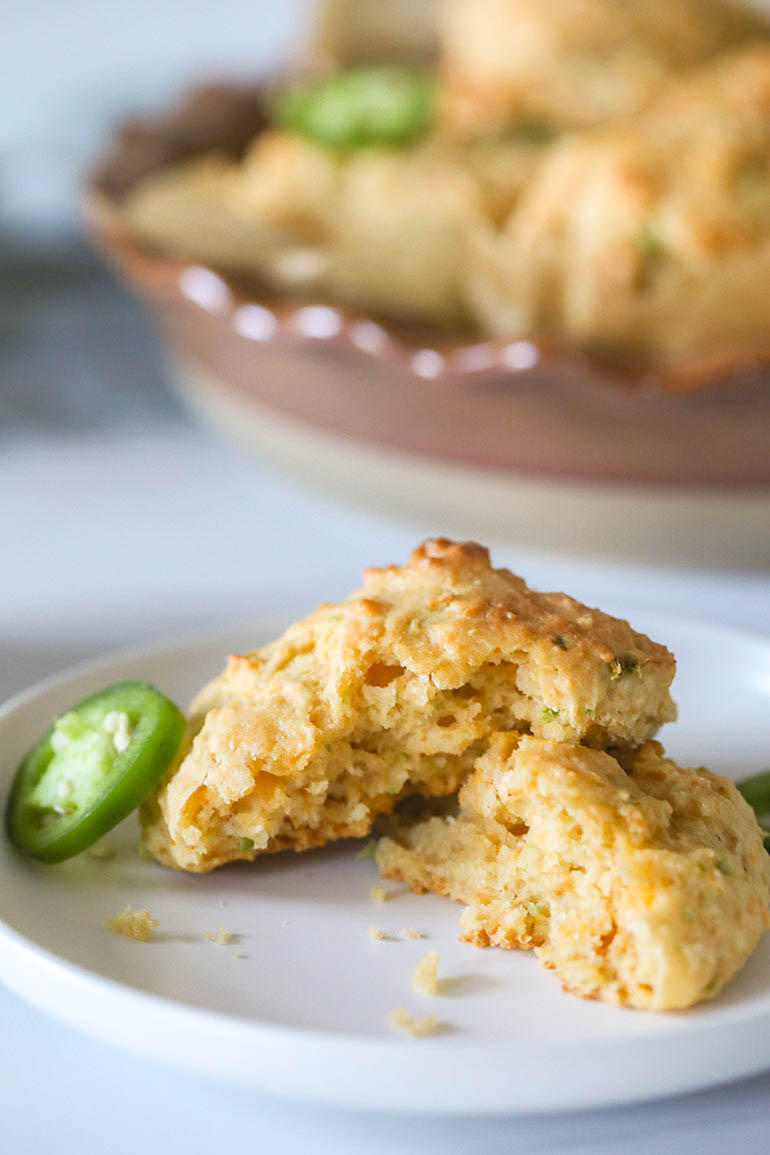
(455, 611)
(448, 610)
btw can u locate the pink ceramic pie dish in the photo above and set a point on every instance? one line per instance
(331, 392)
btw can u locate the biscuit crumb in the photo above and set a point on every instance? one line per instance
(220, 936)
(424, 977)
(237, 954)
(414, 1025)
(410, 932)
(378, 894)
(102, 852)
(376, 932)
(133, 923)
(369, 850)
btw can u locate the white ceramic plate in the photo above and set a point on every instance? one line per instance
(303, 1013)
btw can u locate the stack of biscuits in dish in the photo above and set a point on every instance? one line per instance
(595, 171)
(637, 881)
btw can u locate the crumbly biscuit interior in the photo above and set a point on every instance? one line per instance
(647, 889)
(411, 737)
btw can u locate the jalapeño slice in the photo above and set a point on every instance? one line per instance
(756, 791)
(95, 764)
(384, 105)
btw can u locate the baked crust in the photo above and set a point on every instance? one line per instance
(395, 690)
(647, 889)
(574, 63)
(652, 237)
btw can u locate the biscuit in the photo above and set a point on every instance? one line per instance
(566, 63)
(646, 888)
(651, 239)
(391, 692)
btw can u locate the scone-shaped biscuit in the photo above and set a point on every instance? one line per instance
(393, 691)
(573, 62)
(647, 888)
(654, 237)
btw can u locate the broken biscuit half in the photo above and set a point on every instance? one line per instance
(395, 691)
(646, 886)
